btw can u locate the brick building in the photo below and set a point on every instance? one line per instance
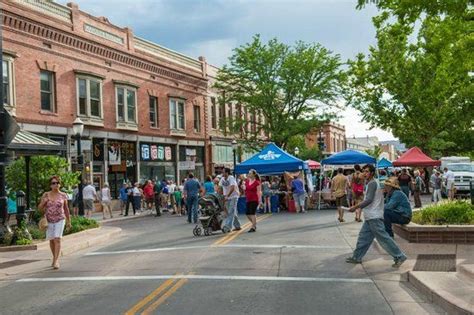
(144, 106)
(333, 136)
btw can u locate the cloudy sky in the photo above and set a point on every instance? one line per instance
(212, 28)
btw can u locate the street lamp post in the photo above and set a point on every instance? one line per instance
(78, 129)
(234, 149)
(297, 151)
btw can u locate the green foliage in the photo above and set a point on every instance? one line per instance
(417, 81)
(456, 212)
(375, 152)
(290, 89)
(79, 224)
(7, 239)
(305, 153)
(21, 236)
(41, 169)
(23, 241)
(36, 233)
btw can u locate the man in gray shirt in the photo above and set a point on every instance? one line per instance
(373, 226)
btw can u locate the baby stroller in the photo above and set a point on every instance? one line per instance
(211, 208)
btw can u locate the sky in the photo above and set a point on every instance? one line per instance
(212, 28)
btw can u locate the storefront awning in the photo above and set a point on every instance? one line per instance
(27, 143)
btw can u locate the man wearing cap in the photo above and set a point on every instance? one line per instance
(397, 207)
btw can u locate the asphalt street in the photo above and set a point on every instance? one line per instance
(293, 264)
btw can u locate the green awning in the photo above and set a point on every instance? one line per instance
(28, 143)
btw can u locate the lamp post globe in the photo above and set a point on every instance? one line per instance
(78, 129)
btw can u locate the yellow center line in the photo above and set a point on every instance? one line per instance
(233, 236)
(150, 297)
(165, 296)
(222, 239)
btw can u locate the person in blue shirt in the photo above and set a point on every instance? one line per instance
(299, 193)
(397, 208)
(123, 198)
(191, 194)
(208, 186)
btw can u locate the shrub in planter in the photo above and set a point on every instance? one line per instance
(453, 212)
(79, 224)
(36, 233)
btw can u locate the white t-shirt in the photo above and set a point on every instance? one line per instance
(171, 188)
(449, 175)
(105, 195)
(89, 193)
(226, 185)
(136, 192)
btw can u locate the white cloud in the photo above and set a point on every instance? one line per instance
(216, 51)
(355, 127)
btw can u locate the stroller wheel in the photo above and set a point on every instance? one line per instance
(208, 231)
(198, 231)
(195, 231)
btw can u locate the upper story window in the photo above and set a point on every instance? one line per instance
(89, 97)
(197, 118)
(177, 114)
(8, 81)
(126, 104)
(213, 113)
(47, 91)
(153, 111)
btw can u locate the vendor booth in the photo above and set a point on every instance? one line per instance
(313, 165)
(347, 157)
(272, 160)
(415, 157)
(384, 163)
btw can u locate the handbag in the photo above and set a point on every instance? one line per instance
(43, 224)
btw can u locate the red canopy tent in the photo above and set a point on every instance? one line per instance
(313, 165)
(415, 157)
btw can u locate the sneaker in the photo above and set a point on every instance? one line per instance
(352, 260)
(252, 230)
(399, 261)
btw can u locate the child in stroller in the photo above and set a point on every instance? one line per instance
(211, 208)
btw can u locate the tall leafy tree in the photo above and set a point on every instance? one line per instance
(291, 89)
(417, 81)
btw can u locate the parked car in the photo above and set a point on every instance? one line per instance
(463, 175)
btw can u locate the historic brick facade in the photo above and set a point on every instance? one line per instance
(42, 38)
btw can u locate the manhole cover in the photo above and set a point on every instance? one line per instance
(16, 262)
(446, 263)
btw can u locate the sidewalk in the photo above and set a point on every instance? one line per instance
(98, 216)
(453, 291)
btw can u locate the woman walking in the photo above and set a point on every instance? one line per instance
(55, 208)
(267, 193)
(149, 194)
(253, 194)
(357, 187)
(106, 201)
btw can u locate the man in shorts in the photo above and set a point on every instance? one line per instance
(89, 195)
(338, 188)
(449, 177)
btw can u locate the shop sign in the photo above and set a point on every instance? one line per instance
(114, 154)
(168, 155)
(190, 152)
(154, 152)
(145, 151)
(161, 153)
(98, 150)
(187, 165)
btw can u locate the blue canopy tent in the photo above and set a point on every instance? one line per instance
(384, 163)
(272, 161)
(349, 157)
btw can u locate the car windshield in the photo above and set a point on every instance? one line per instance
(461, 167)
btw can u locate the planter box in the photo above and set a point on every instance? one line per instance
(450, 234)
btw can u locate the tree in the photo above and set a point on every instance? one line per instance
(290, 90)
(305, 153)
(375, 152)
(417, 81)
(41, 169)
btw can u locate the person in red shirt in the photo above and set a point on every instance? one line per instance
(253, 194)
(149, 194)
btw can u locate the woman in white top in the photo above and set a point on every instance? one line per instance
(106, 201)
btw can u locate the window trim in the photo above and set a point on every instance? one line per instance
(88, 78)
(177, 101)
(157, 123)
(9, 60)
(52, 92)
(197, 119)
(125, 104)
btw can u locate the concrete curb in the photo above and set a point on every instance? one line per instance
(121, 218)
(17, 248)
(440, 297)
(467, 270)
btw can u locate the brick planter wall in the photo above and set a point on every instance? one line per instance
(452, 234)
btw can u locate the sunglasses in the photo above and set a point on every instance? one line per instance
(54, 183)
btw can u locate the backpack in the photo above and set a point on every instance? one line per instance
(165, 190)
